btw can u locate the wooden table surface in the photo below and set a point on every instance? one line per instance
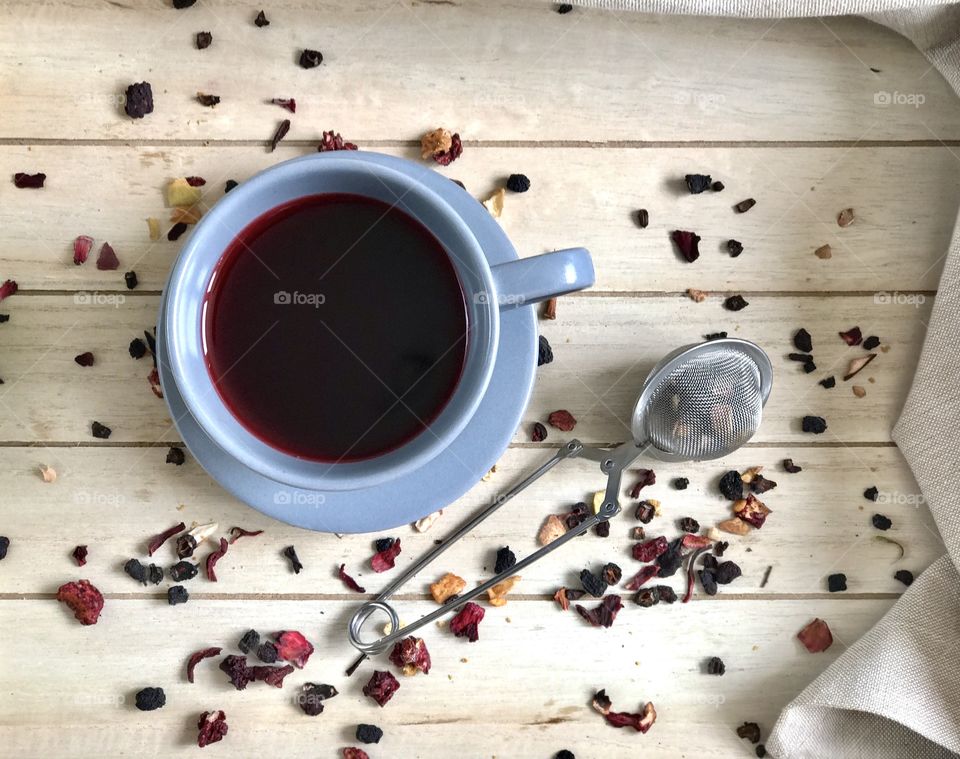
(605, 113)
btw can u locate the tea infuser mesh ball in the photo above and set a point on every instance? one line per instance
(700, 402)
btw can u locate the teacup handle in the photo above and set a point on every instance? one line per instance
(537, 278)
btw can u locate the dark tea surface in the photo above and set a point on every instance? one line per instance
(323, 313)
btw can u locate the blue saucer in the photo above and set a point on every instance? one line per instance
(423, 491)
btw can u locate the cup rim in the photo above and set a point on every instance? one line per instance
(183, 325)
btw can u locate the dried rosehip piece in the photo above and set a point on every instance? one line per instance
(465, 624)
(647, 597)
(84, 600)
(562, 420)
(816, 637)
(539, 433)
(752, 510)
(381, 687)
(650, 550)
(212, 725)
(293, 647)
(79, 555)
(411, 656)
(611, 573)
(446, 157)
(687, 243)
(351, 752)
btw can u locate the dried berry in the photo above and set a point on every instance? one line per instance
(153, 545)
(333, 141)
(411, 656)
(715, 336)
(687, 243)
(208, 100)
(871, 342)
(731, 486)
(709, 582)
(735, 303)
(593, 584)
(749, 731)
(236, 669)
(689, 524)
(881, 522)
(369, 733)
(505, 560)
(602, 529)
(212, 725)
(726, 572)
(790, 467)
(261, 20)
(837, 582)
(139, 100)
(149, 699)
(349, 581)
(383, 544)
(715, 666)
(816, 637)
(680, 483)
(562, 420)
(905, 576)
(84, 359)
(267, 652)
(229, 185)
(386, 558)
(667, 594)
(604, 614)
(814, 424)
(131, 281)
(745, 205)
(181, 4)
(611, 573)
(828, 382)
(79, 555)
(107, 258)
(544, 352)
(734, 248)
(465, 623)
(176, 231)
(761, 751)
(293, 647)
(138, 348)
(177, 594)
(697, 183)
(518, 183)
(563, 9)
(845, 217)
(183, 570)
(647, 477)
(539, 433)
(4, 546)
(803, 341)
(643, 218)
(671, 559)
(204, 40)
(871, 493)
(84, 600)
(717, 186)
(351, 752)
(291, 554)
(29, 181)
(310, 59)
(647, 597)
(381, 687)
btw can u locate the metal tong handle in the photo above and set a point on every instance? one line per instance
(612, 463)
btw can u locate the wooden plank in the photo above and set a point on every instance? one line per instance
(494, 71)
(523, 690)
(603, 347)
(578, 197)
(114, 500)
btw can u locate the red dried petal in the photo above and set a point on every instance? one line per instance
(639, 722)
(238, 532)
(281, 132)
(158, 540)
(450, 155)
(852, 336)
(647, 477)
(293, 647)
(80, 555)
(212, 727)
(29, 181)
(816, 636)
(650, 550)
(81, 249)
(695, 541)
(687, 243)
(643, 576)
(196, 181)
(271, 675)
(385, 559)
(464, 624)
(213, 558)
(197, 657)
(154, 379)
(354, 753)
(410, 655)
(84, 600)
(349, 581)
(107, 259)
(563, 420)
(235, 667)
(604, 614)
(289, 103)
(753, 511)
(381, 687)
(333, 141)
(8, 288)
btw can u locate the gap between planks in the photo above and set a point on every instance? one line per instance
(535, 446)
(585, 294)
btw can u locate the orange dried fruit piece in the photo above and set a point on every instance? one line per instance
(437, 141)
(447, 586)
(734, 526)
(186, 214)
(823, 252)
(180, 193)
(498, 593)
(697, 296)
(553, 527)
(154, 226)
(494, 204)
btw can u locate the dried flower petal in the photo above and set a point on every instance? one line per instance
(289, 103)
(385, 559)
(852, 336)
(411, 656)
(8, 288)
(845, 217)
(213, 558)
(312, 696)
(333, 141)
(293, 647)
(271, 675)
(381, 687)
(81, 249)
(647, 552)
(639, 722)
(604, 614)
(465, 623)
(562, 420)
(687, 243)
(447, 586)
(107, 259)
(751, 510)
(84, 600)
(553, 527)
(48, 473)
(857, 365)
(816, 636)
(153, 545)
(647, 477)
(352, 752)
(349, 581)
(181, 193)
(278, 135)
(80, 555)
(197, 657)
(642, 577)
(498, 593)
(859, 391)
(238, 532)
(212, 727)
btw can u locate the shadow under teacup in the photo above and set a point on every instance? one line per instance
(333, 324)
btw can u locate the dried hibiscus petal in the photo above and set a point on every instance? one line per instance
(465, 623)
(271, 675)
(816, 636)
(293, 647)
(647, 477)
(640, 722)
(333, 141)
(29, 181)
(238, 532)
(751, 510)
(349, 581)
(643, 576)
(352, 752)
(289, 103)
(386, 558)
(213, 558)
(603, 614)
(687, 243)
(381, 687)
(8, 288)
(278, 135)
(650, 550)
(235, 668)
(197, 657)
(212, 727)
(80, 555)
(84, 600)
(411, 656)
(446, 157)
(81, 249)
(852, 336)
(153, 545)
(107, 259)
(562, 420)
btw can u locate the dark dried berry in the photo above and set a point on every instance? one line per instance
(176, 456)
(708, 581)
(611, 573)
(871, 493)
(828, 382)
(539, 433)
(138, 349)
(697, 183)
(204, 40)
(100, 431)
(735, 303)
(369, 733)
(687, 243)
(208, 100)
(667, 594)
(181, 4)
(84, 359)
(177, 594)
(4, 318)
(291, 553)
(282, 128)
(229, 185)
(731, 486)
(4, 546)
(905, 576)
(250, 642)
(544, 352)
(645, 512)
(139, 100)
(745, 205)
(593, 584)
(803, 341)
(717, 186)
(267, 652)
(689, 524)
(761, 751)
(760, 484)
(154, 574)
(734, 248)
(815, 424)
(720, 548)
(80, 555)
(383, 544)
(647, 597)
(261, 20)
(680, 483)
(183, 570)
(809, 366)
(749, 731)
(29, 181)
(671, 559)
(130, 279)
(790, 467)
(715, 336)
(381, 687)
(310, 59)
(176, 231)
(726, 572)
(710, 561)
(643, 218)
(518, 183)
(136, 570)
(149, 699)
(881, 522)
(563, 9)
(715, 666)
(505, 560)
(801, 357)
(602, 529)
(186, 545)
(837, 582)
(871, 342)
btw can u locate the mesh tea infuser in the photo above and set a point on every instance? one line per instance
(700, 402)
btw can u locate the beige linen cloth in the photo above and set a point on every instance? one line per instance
(895, 693)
